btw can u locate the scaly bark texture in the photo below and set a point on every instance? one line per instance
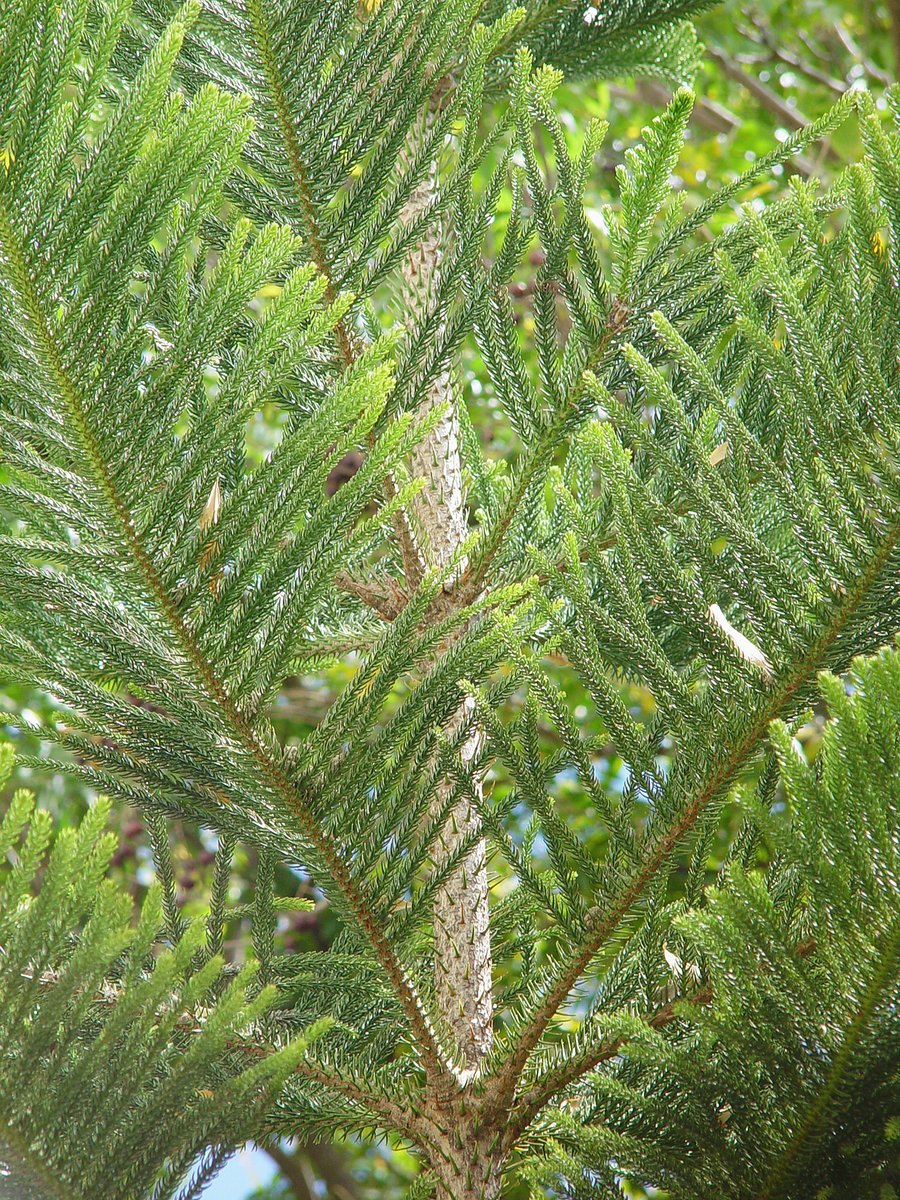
(471, 1171)
(439, 523)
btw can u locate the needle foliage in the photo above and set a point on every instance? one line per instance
(207, 214)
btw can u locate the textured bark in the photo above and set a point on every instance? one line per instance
(439, 523)
(480, 1178)
(462, 938)
(469, 1156)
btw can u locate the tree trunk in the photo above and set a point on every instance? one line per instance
(439, 522)
(471, 1168)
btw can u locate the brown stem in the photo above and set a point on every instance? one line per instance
(792, 118)
(331, 1167)
(292, 1169)
(780, 54)
(327, 1163)
(844, 37)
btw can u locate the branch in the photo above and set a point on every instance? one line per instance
(193, 1022)
(291, 1168)
(347, 344)
(707, 114)
(395, 1119)
(843, 35)
(538, 456)
(272, 771)
(556, 1080)
(883, 979)
(474, 577)
(893, 7)
(791, 117)
(262, 38)
(604, 922)
(781, 55)
(327, 1164)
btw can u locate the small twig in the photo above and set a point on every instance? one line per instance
(791, 117)
(893, 7)
(847, 41)
(778, 52)
(384, 597)
(293, 1170)
(707, 114)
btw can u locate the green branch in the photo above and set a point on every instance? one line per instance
(272, 771)
(884, 977)
(605, 922)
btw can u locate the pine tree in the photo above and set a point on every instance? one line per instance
(216, 208)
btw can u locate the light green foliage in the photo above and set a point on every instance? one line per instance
(735, 539)
(107, 1040)
(589, 332)
(181, 566)
(644, 184)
